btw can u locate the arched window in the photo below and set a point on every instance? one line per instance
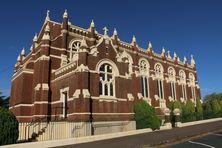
(192, 85)
(172, 82)
(144, 73)
(107, 80)
(74, 49)
(182, 76)
(159, 76)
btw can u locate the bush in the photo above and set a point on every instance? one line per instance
(145, 116)
(174, 105)
(8, 127)
(188, 112)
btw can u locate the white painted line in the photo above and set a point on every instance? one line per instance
(198, 143)
(216, 134)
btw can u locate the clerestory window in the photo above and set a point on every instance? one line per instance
(73, 53)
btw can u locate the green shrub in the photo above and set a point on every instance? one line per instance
(8, 127)
(145, 116)
(174, 105)
(188, 112)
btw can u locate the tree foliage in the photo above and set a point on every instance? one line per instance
(188, 112)
(4, 101)
(8, 127)
(145, 116)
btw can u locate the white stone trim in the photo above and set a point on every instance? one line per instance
(130, 97)
(140, 96)
(86, 93)
(113, 113)
(107, 61)
(45, 86)
(84, 113)
(37, 87)
(21, 71)
(55, 56)
(108, 98)
(76, 94)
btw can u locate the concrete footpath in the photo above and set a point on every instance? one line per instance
(132, 139)
(153, 138)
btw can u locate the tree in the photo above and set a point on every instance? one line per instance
(215, 108)
(213, 96)
(4, 102)
(199, 109)
(208, 113)
(145, 116)
(188, 112)
(8, 127)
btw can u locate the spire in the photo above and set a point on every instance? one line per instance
(65, 14)
(174, 55)
(35, 38)
(92, 24)
(163, 51)
(115, 32)
(31, 48)
(47, 16)
(168, 55)
(178, 59)
(19, 58)
(134, 39)
(150, 47)
(105, 31)
(192, 62)
(23, 52)
(185, 60)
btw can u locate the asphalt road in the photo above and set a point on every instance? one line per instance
(212, 140)
(154, 139)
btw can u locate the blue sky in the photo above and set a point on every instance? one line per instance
(185, 26)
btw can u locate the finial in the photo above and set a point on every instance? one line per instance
(134, 39)
(23, 52)
(174, 55)
(92, 24)
(178, 59)
(31, 48)
(35, 38)
(163, 51)
(192, 62)
(65, 14)
(150, 45)
(47, 16)
(168, 54)
(115, 32)
(19, 58)
(185, 60)
(105, 31)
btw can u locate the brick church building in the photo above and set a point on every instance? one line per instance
(74, 75)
